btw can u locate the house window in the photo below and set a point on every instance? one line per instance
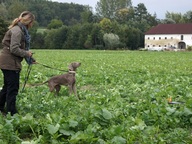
(165, 45)
(153, 45)
(154, 38)
(181, 37)
(148, 46)
(159, 45)
(159, 37)
(171, 37)
(165, 37)
(148, 38)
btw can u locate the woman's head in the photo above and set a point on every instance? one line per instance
(26, 18)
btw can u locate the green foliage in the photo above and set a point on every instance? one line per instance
(124, 14)
(3, 11)
(54, 24)
(175, 17)
(75, 37)
(88, 43)
(123, 99)
(15, 8)
(3, 29)
(108, 8)
(38, 41)
(106, 25)
(84, 29)
(44, 11)
(189, 48)
(86, 16)
(111, 40)
(188, 17)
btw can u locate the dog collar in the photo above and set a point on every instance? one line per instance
(73, 72)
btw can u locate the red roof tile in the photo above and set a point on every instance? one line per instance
(171, 29)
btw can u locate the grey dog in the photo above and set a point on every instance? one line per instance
(67, 79)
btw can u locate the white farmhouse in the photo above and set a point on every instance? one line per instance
(166, 36)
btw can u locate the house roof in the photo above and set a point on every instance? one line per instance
(171, 29)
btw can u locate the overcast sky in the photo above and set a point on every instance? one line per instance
(160, 7)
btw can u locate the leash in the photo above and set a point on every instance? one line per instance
(29, 70)
(51, 67)
(27, 76)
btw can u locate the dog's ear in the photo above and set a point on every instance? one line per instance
(73, 66)
(70, 67)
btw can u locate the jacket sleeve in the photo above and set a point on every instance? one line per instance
(15, 43)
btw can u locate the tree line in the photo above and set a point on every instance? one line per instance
(116, 24)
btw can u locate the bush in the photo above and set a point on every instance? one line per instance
(189, 48)
(55, 24)
(111, 40)
(99, 47)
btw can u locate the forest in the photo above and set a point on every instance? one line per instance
(113, 25)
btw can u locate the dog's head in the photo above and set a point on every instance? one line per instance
(73, 66)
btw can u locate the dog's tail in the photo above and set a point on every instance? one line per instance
(38, 84)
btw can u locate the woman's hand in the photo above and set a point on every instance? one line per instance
(29, 53)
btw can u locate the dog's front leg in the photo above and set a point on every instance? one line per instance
(75, 90)
(70, 89)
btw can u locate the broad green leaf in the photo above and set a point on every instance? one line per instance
(170, 110)
(79, 136)
(119, 140)
(66, 132)
(28, 117)
(140, 124)
(53, 129)
(106, 114)
(187, 112)
(73, 123)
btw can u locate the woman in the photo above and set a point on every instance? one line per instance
(16, 43)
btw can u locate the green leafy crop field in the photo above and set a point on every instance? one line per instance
(123, 100)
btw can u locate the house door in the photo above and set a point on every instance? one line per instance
(182, 45)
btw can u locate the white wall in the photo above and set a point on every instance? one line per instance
(166, 41)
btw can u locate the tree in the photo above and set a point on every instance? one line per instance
(124, 14)
(97, 36)
(72, 38)
(38, 41)
(84, 31)
(3, 28)
(188, 17)
(106, 25)
(168, 21)
(141, 12)
(111, 40)
(176, 17)
(54, 24)
(142, 19)
(56, 38)
(131, 37)
(88, 42)
(15, 9)
(3, 11)
(86, 16)
(108, 8)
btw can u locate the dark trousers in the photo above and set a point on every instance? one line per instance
(9, 91)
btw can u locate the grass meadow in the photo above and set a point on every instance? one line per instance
(123, 100)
